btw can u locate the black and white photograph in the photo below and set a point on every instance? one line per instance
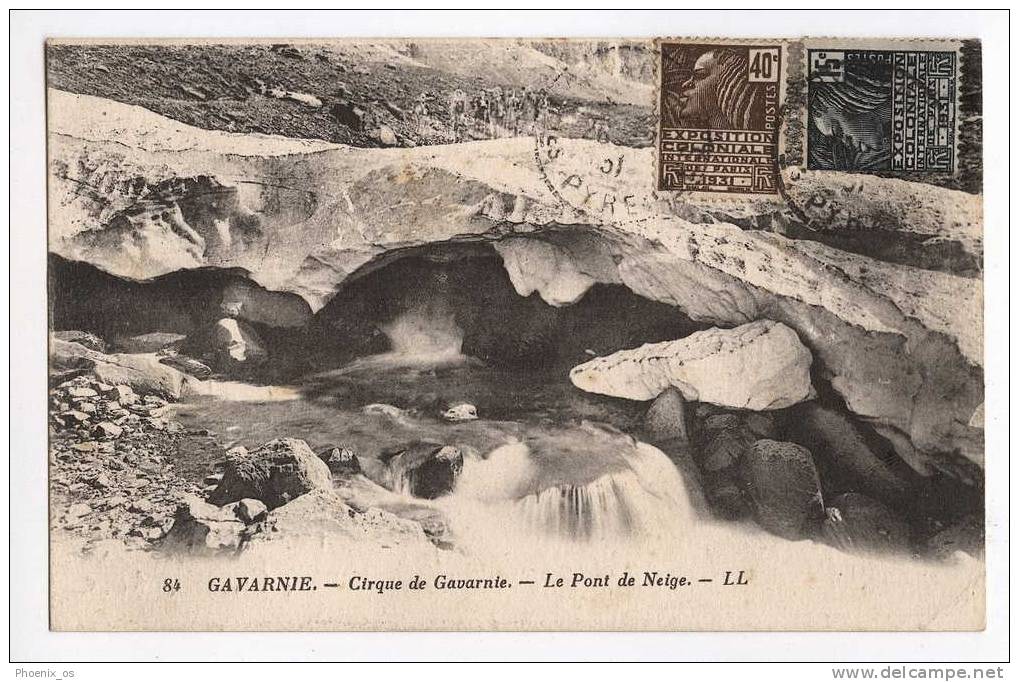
(673, 333)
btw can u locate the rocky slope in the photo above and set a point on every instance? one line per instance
(122, 471)
(140, 196)
(348, 92)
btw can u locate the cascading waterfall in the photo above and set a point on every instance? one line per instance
(398, 476)
(505, 494)
(425, 333)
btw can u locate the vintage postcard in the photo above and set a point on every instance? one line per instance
(496, 334)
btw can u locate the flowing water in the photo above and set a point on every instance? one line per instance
(541, 461)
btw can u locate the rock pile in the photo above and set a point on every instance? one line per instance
(110, 476)
(804, 473)
(114, 449)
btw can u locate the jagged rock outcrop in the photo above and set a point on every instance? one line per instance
(901, 343)
(757, 366)
(275, 473)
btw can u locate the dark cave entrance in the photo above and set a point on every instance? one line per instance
(467, 285)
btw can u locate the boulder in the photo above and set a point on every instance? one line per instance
(148, 343)
(187, 365)
(757, 366)
(782, 487)
(666, 418)
(719, 422)
(725, 496)
(122, 395)
(144, 374)
(275, 473)
(725, 448)
(387, 136)
(426, 470)
(107, 431)
(761, 424)
(341, 461)
(85, 339)
(855, 523)
(204, 529)
(231, 344)
(461, 413)
(437, 475)
(323, 516)
(845, 459)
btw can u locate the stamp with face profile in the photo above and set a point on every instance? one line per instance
(719, 117)
(882, 107)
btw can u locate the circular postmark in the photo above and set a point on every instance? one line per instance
(606, 184)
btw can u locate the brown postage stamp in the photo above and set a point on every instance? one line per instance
(719, 117)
